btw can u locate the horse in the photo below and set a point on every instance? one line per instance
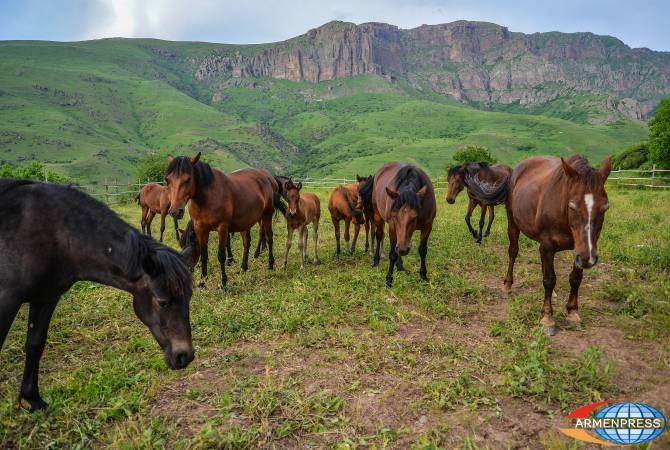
(487, 187)
(44, 253)
(232, 202)
(342, 205)
(401, 195)
(561, 204)
(303, 209)
(153, 199)
(282, 193)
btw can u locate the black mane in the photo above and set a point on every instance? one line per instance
(408, 181)
(200, 171)
(365, 191)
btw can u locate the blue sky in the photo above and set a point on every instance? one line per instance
(638, 23)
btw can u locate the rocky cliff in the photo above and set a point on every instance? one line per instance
(473, 62)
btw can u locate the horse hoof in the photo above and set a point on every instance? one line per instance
(574, 325)
(32, 405)
(229, 262)
(389, 283)
(424, 277)
(550, 330)
(507, 288)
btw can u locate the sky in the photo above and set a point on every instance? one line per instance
(638, 23)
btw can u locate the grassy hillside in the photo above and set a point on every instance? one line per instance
(331, 358)
(92, 109)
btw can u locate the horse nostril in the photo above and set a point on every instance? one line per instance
(451, 201)
(593, 261)
(578, 261)
(182, 359)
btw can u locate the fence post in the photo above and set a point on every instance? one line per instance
(653, 171)
(106, 191)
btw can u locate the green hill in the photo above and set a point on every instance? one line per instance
(92, 109)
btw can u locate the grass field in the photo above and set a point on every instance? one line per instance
(332, 358)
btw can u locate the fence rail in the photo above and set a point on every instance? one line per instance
(113, 190)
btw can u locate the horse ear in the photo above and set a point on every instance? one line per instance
(569, 171)
(359, 178)
(605, 168)
(286, 184)
(422, 192)
(461, 168)
(391, 193)
(170, 158)
(196, 158)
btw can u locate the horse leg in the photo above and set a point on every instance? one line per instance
(150, 218)
(367, 233)
(202, 239)
(471, 206)
(357, 229)
(399, 264)
(423, 251)
(336, 226)
(267, 228)
(573, 301)
(162, 226)
(302, 243)
(176, 228)
(39, 318)
(246, 245)
(379, 236)
(143, 220)
(261, 242)
(393, 256)
(222, 230)
(315, 261)
(547, 253)
(289, 242)
(491, 216)
(482, 218)
(9, 306)
(347, 223)
(229, 249)
(512, 251)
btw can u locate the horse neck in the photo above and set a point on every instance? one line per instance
(219, 186)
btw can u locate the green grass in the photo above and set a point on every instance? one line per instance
(92, 109)
(331, 358)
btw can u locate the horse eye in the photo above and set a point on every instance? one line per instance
(162, 302)
(572, 206)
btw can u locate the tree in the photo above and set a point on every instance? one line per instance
(151, 168)
(659, 135)
(634, 157)
(33, 171)
(473, 153)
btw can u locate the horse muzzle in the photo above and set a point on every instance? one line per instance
(177, 213)
(402, 251)
(582, 263)
(179, 359)
(451, 200)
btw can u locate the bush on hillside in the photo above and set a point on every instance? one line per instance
(473, 153)
(32, 171)
(659, 136)
(634, 157)
(151, 168)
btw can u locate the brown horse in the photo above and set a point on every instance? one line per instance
(302, 210)
(227, 203)
(487, 187)
(401, 195)
(153, 199)
(343, 204)
(560, 204)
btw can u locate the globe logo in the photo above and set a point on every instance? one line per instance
(630, 411)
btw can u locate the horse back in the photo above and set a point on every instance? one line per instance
(311, 205)
(150, 196)
(340, 201)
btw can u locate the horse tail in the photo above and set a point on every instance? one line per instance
(365, 191)
(277, 197)
(137, 198)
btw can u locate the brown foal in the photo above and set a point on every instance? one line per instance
(303, 209)
(154, 199)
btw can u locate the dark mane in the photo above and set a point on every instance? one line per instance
(408, 181)
(201, 171)
(587, 173)
(454, 170)
(365, 191)
(490, 193)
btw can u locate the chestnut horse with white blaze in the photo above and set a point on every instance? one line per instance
(561, 204)
(227, 203)
(303, 208)
(401, 195)
(342, 205)
(154, 199)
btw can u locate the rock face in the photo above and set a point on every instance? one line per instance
(474, 62)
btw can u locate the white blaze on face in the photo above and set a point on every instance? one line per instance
(588, 201)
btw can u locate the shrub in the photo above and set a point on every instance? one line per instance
(659, 135)
(33, 171)
(151, 168)
(473, 153)
(632, 157)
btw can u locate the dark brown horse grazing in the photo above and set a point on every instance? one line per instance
(560, 204)
(487, 187)
(342, 205)
(302, 210)
(44, 252)
(153, 199)
(401, 195)
(226, 203)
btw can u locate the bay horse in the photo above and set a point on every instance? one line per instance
(153, 199)
(343, 205)
(303, 208)
(45, 252)
(401, 195)
(561, 204)
(486, 186)
(227, 203)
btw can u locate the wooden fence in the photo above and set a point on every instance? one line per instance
(114, 191)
